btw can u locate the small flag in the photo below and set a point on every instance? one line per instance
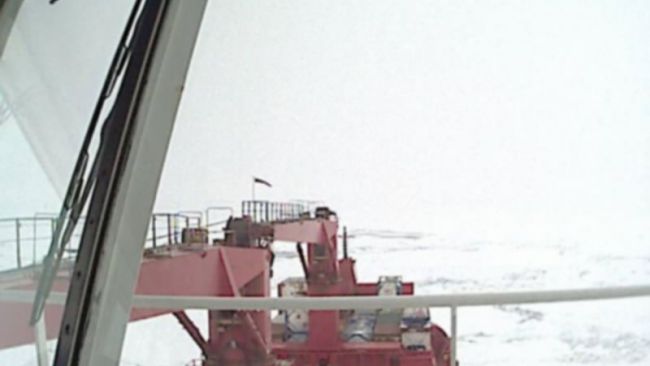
(261, 181)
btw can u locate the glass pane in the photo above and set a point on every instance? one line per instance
(54, 60)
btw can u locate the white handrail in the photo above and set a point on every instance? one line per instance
(452, 301)
(388, 302)
(358, 302)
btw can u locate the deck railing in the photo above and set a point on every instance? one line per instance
(450, 301)
(266, 211)
(28, 238)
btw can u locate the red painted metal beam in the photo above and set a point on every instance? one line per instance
(188, 273)
(307, 231)
(192, 330)
(244, 315)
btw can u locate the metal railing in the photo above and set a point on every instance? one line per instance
(29, 237)
(266, 211)
(451, 301)
(166, 228)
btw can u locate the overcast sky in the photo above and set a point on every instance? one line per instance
(416, 115)
(485, 117)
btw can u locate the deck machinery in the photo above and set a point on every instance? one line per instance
(240, 264)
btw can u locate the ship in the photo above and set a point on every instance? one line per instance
(184, 257)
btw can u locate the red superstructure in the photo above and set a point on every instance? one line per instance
(240, 264)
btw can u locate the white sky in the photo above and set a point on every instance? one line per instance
(487, 117)
(416, 115)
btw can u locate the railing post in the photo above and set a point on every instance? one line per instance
(454, 335)
(266, 211)
(34, 233)
(18, 259)
(170, 236)
(345, 242)
(176, 226)
(153, 230)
